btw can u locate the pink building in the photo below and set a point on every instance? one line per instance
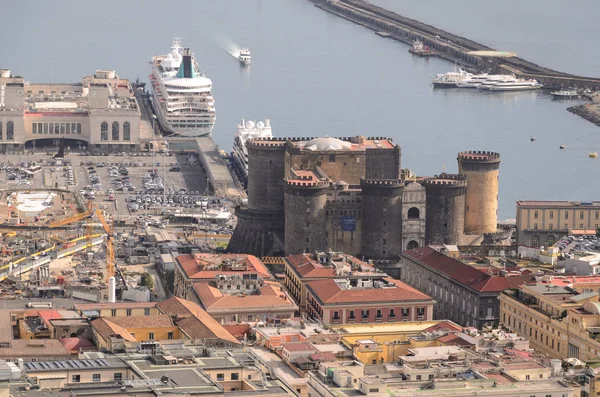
(345, 301)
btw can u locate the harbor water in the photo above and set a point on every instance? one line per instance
(316, 74)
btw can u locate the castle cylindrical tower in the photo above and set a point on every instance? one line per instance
(266, 169)
(381, 218)
(305, 220)
(260, 228)
(481, 198)
(445, 216)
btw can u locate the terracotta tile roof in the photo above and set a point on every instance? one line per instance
(193, 320)
(271, 297)
(325, 356)
(74, 344)
(196, 266)
(307, 266)
(299, 346)
(117, 305)
(453, 340)
(38, 348)
(106, 329)
(238, 330)
(156, 321)
(443, 325)
(461, 272)
(47, 315)
(328, 292)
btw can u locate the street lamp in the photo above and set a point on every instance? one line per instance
(153, 118)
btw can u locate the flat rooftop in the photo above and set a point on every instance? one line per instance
(558, 204)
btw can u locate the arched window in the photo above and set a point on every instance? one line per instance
(10, 131)
(550, 240)
(413, 213)
(115, 131)
(126, 131)
(0, 130)
(104, 131)
(412, 244)
(535, 241)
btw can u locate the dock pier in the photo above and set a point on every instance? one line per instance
(449, 46)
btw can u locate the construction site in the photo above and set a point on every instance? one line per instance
(64, 235)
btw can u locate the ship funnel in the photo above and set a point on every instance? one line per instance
(4, 73)
(267, 123)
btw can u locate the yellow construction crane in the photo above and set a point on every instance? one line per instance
(110, 249)
(74, 218)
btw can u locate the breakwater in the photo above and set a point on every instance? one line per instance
(590, 112)
(449, 46)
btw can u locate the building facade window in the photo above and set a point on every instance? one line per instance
(235, 376)
(364, 313)
(96, 377)
(566, 214)
(128, 312)
(104, 131)
(10, 131)
(113, 312)
(126, 131)
(551, 214)
(76, 378)
(118, 376)
(147, 311)
(151, 335)
(115, 131)
(0, 130)
(169, 335)
(536, 214)
(220, 377)
(581, 215)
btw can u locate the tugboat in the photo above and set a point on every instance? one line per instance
(419, 49)
(565, 94)
(244, 57)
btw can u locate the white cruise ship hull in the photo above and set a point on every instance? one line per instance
(179, 131)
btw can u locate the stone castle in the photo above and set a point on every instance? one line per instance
(351, 195)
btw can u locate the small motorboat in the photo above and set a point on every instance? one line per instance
(532, 139)
(593, 155)
(562, 147)
(245, 58)
(565, 94)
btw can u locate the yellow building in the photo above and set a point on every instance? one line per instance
(384, 342)
(133, 329)
(120, 309)
(544, 222)
(556, 320)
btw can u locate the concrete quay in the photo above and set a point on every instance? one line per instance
(447, 45)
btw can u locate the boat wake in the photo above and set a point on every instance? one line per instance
(232, 48)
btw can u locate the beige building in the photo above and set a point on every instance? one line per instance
(556, 320)
(101, 112)
(542, 223)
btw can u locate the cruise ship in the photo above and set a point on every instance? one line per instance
(248, 130)
(181, 93)
(512, 84)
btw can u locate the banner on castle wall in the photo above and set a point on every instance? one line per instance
(348, 223)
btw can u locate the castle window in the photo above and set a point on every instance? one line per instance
(384, 241)
(414, 213)
(332, 158)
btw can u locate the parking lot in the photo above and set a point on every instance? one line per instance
(571, 244)
(125, 183)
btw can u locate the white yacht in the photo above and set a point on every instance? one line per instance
(512, 84)
(451, 79)
(248, 130)
(565, 94)
(479, 79)
(181, 93)
(245, 58)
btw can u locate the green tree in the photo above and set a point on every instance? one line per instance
(147, 281)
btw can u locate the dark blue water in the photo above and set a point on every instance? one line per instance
(316, 74)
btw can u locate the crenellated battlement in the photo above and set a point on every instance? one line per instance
(455, 180)
(479, 155)
(381, 182)
(306, 182)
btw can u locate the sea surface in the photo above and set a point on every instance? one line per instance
(317, 74)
